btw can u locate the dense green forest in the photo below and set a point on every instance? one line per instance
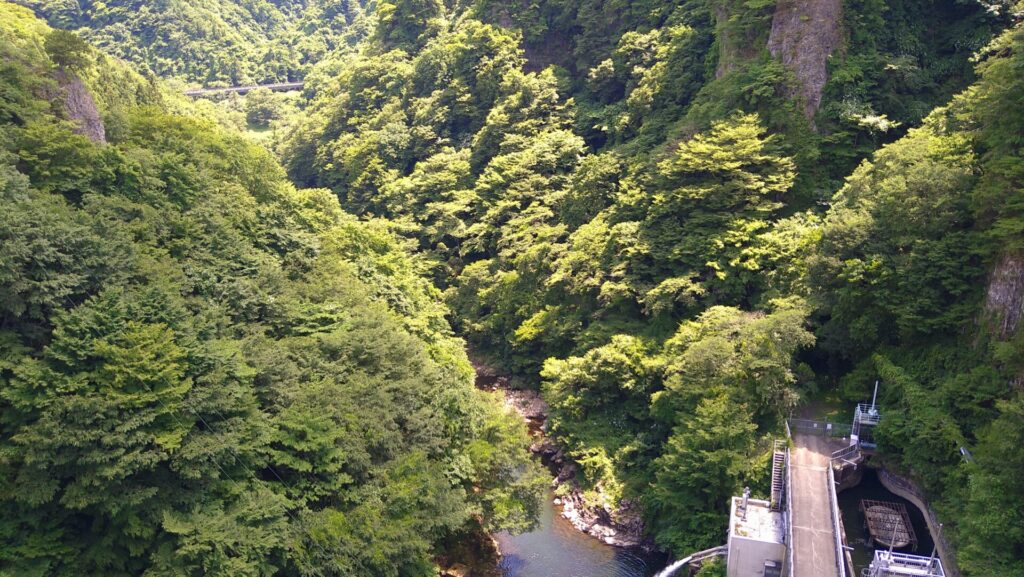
(637, 207)
(206, 371)
(680, 221)
(212, 42)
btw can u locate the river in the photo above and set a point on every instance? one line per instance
(557, 549)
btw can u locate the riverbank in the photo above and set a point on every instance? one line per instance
(556, 548)
(470, 553)
(621, 526)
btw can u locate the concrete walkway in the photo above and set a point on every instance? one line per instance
(814, 549)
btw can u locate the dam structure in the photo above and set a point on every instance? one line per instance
(798, 531)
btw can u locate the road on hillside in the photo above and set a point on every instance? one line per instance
(244, 89)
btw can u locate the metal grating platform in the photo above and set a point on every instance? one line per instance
(889, 523)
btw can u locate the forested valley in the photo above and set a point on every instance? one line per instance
(681, 222)
(212, 42)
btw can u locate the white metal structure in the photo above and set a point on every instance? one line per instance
(890, 564)
(865, 418)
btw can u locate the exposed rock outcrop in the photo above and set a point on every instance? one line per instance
(726, 46)
(457, 570)
(1004, 300)
(734, 46)
(804, 34)
(80, 108)
(622, 526)
(528, 404)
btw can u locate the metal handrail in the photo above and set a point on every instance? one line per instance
(834, 505)
(843, 453)
(789, 513)
(894, 563)
(708, 553)
(867, 414)
(805, 423)
(720, 551)
(820, 427)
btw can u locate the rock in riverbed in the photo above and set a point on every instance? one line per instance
(620, 527)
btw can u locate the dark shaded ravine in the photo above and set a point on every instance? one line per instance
(853, 520)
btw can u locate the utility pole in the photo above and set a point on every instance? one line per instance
(874, 400)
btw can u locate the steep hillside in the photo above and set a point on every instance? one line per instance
(211, 42)
(206, 371)
(862, 73)
(804, 37)
(679, 221)
(642, 208)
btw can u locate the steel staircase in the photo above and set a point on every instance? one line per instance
(778, 474)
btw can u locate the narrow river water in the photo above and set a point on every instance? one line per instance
(557, 549)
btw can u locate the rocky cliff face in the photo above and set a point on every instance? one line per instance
(804, 34)
(80, 108)
(735, 45)
(1004, 300)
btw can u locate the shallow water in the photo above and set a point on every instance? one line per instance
(557, 549)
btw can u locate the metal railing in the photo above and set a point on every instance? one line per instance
(789, 504)
(840, 430)
(789, 513)
(893, 564)
(709, 553)
(780, 448)
(699, 556)
(844, 454)
(867, 414)
(833, 502)
(806, 426)
(823, 428)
